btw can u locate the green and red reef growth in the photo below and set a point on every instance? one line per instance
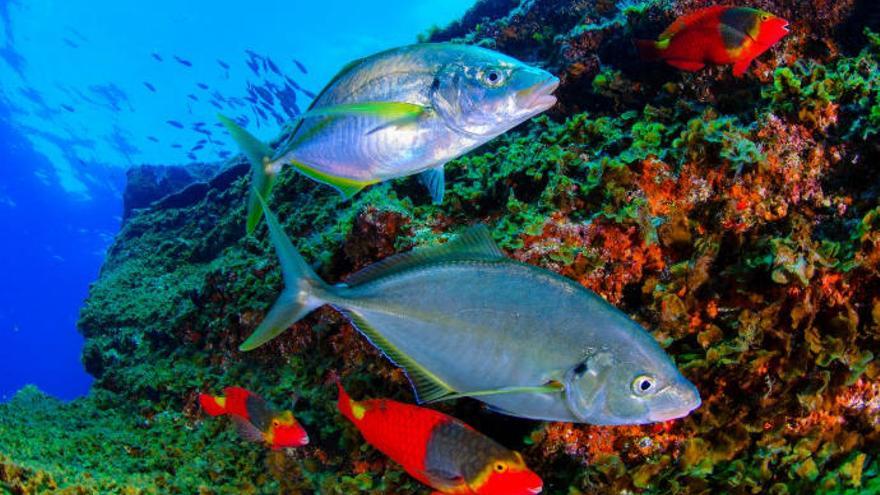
(737, 219)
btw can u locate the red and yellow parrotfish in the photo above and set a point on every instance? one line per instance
(717, 35)
(254, 419)
(439, 450)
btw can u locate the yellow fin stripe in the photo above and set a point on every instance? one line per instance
(348, 187)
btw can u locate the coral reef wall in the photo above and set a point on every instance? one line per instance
(737, 219)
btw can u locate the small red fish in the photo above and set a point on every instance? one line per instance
(254, 419)
(439, 450)
(717, 35)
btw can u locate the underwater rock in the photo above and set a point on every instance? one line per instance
(148, 183)
(738, 219)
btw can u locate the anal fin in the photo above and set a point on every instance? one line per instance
(428, 386)
(347, 187)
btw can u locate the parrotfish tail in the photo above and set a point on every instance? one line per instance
(648, 50)
(302, 287)
(344, 403)
(212, 405)
(262, 172)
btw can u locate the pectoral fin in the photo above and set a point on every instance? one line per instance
(443, 480)
(247, 430)
(435, 181)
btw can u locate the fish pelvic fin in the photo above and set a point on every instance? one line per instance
(475, 243)
(435, 180)
(262, 170)
(214, 406)
(740, 68)
(428, 386)
(302, 287)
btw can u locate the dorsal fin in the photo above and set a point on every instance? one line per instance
(474, 243)
(690, 20)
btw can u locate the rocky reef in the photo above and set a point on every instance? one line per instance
(737, 219)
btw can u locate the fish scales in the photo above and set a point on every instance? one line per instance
(401, 112)
(490, 338)
(464, 320)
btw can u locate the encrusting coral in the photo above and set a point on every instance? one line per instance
(739, 220)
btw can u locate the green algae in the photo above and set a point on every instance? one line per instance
(746, 237)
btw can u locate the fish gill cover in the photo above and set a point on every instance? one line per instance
(738, 219)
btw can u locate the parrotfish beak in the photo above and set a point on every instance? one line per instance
(539, 97)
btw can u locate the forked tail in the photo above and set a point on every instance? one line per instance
(302, 286)
(262, 174)
(344, 403)
(649, 50)
(214, 406)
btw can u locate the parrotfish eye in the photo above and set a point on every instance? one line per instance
(644, 385)
(765, 17)
(500, 467)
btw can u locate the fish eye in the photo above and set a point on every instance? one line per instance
(644, 385)
(500, 467)
(492, 78)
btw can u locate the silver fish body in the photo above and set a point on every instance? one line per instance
(464, 320)
(433, 76)
(488, 325)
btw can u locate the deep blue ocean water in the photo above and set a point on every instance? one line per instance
(88, 89)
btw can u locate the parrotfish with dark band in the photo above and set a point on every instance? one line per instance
(439, 450)
(254, 419)
(462, 319)
(716, 35)
(401, 112)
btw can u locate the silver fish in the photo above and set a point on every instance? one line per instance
(401, 112)
(464, 320)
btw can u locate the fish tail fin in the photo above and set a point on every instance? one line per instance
(649, 50)
(214, 406)
(302, 287)
(345, 404)
(263, 173)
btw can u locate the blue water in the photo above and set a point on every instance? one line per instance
(88, 89)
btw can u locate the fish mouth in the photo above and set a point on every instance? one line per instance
(685, 397)
(785, 27)
(539, 98)
(537, 489)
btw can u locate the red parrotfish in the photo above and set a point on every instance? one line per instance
(254, 419)
(720, 35)
(439, 450)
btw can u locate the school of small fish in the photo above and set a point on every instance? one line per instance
(461, 318)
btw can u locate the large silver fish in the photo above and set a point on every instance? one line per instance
(464, 320)
(402, 112)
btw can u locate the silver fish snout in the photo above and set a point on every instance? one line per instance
(539, 97)
(678, 401)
